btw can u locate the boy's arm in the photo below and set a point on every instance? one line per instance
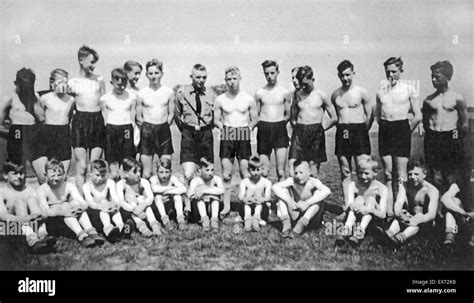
(4, 108)
(217, 190)
(4, 214)
(417, 116)
(40, 108)
(267, 197)
(287, 114)
(48, 211)
(448, 200)
(400, 201)
(33, 206)
(461, 107)
(294, 109)
(89, 198)
(148, 193)
(281, 191)
(171, 109)
(217, 114)
(330, 110)
(433, 195)
(367, 104)
(321, 193)
(113, 192)
(157, 188)
(243, 190)
(378, 108)
(102, 85)
(258, 102)
(139, 111)
(177, 187)
(426, 113)
(178, 109)
(381, 212)
(253, 112)
(103, 108)
(121, 197)
(75, 195)
(351, 191)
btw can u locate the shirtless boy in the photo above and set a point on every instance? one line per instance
(354, 111)
(300, 199)
(88, 127)
(118, 108)
(308, 141)
(235, 114)
(54, 137)
(395, 100)
(134, 70)
(273, 106)
(19, 205)
(155, 113)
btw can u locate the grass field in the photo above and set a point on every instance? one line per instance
(195, 250)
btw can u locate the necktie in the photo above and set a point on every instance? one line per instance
(198, 102)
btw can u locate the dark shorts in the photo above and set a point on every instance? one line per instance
(394, 138)
(235, 142)
(56, 227)
(119, 142)
(352, 140)
(308, 143)
(21, 143)
(194, 216)
(94, 216)
(169, 209)
(263, 214)
(196, 144)
(444, 150)
(271, 135)
(88, 130)
(155, 139)
(54, 141)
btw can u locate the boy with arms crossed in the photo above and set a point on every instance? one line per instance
(155, 113)
(300, 199)
(205, 191)
(255, 191)
(54, 137)
(168, 194)
(118, 108)
(87, 127)
(64, 208)
(366, 197)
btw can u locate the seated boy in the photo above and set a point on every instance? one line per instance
(135, 197)
(255, 191)
(19, 205)
(102, 197)
(300, 199)
(366, 197)
(206, 190)
(167, 188)
(416, 204)
(455, 213)
(64, 208)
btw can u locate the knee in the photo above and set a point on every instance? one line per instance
(188, 174)
(147, 174)
(227, 177)
(388, 175)
(81, 167)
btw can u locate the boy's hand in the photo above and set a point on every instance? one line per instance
(198, 192)
(294, 206)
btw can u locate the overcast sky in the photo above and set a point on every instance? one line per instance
(44, 35)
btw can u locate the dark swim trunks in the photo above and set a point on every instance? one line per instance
(352, 140)
(155, 139)
(394, 138)
(271, 135)
(88, 130)
(308, 143)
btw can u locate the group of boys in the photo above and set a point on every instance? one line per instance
(129, 123)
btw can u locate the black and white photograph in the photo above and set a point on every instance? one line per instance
(237, 135)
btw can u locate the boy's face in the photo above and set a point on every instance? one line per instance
(119, 83)
(207, 172)
(438, 79)
(271, 74)
(232, 79)
(54, 176)
(59, 85)
(416, 176)
(87, 64)
(133, 175)
(307, 85)
(393, 73)
(16, 178)
(301, 174)
(134, 75)
(366, 175)
(98, 177)
(255, 173)
(154, 74)
(199, 78)
(296, 84)
(164, 174)
(346, 77)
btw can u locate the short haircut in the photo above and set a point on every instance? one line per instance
(444, 67)
(128, 66)
(155, 62)
(12, 166)
(205, 162)
(254, 163)
(129, 164)
(99, 165)
(57, 71)
(54, 165)
(120, 72)
(85, 51)
(232, 69)
(25, 75)
(298, 162)
(345, 65)
(199, 66)
(304, 72)
(269, 63)
(393, 60)
(368, 162)
(416, 162)
(165, 163)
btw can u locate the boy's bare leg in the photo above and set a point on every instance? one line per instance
(147, 162)
(280, 158)
(81, 166)
(388, 168)
(114, 168)
(39, 168)
(189, 169)
(201, 206)
(227, 166)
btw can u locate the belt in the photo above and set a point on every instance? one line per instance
(196, 128)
